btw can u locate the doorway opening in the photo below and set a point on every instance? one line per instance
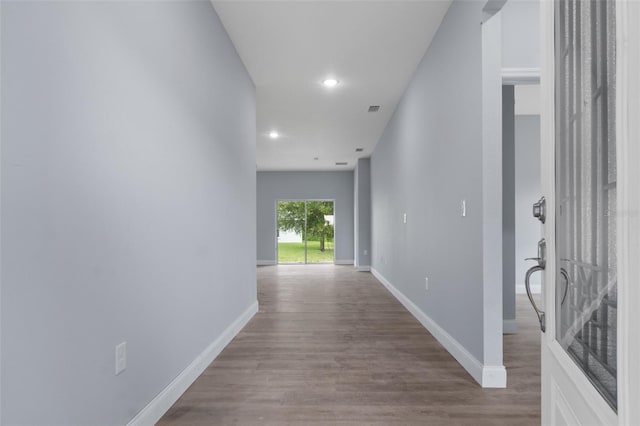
(521, 189)
(305, 231)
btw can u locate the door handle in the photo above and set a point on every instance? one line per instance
(527, 287)
(539, 212)
(565, 275)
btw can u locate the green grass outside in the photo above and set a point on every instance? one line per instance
(294, 252)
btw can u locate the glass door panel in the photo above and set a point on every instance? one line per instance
(291, 232)
(586, 296)
(305, 231)
(320, 220)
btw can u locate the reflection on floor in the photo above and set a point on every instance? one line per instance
(332, 346)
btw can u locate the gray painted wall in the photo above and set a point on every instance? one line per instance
(521, 34)
(362, 213)
(430, 158)
(128, 202)
(508, 204)
(275, 186)
(528, 191)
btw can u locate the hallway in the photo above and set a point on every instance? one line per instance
(330, 345)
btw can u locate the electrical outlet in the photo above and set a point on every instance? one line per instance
(121, 357)
(366, 252)
(463, 208)
(426, 283)
(404, 218)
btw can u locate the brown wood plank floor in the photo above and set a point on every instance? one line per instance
(331, 345)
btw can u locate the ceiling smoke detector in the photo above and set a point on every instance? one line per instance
(374, 108)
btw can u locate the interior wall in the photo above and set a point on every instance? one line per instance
(521, 34)
(362, 213)
(427, 162)
(128, 202)
(528, 191)
(278, 186)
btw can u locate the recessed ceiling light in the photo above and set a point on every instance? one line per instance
(273, 134)
(330, 82)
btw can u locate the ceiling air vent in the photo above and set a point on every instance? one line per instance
(374, 108)
(341, 163)
(359, 149)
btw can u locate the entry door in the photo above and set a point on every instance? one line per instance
(578, 256)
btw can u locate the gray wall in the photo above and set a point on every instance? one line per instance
(362, 213)
(275, 186)
(508, 204)
(521, 34)
(528, 191)
(428, 160)
(128, 202)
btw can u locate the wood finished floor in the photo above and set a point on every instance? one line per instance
(331, 345)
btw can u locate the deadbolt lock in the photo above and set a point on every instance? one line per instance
(539, 210)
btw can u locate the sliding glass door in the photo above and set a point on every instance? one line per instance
(305, 231)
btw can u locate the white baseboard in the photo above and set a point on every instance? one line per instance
(335, 262)
(159, 405)
(509, 326)
(488, 376)
(535, 289)
(364, 268)
(494, 376)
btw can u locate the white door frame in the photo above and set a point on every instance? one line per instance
(628, 227)
(628, 148)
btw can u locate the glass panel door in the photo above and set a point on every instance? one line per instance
(305, 231)
(291, 232)
(586, 294)
(320, 221)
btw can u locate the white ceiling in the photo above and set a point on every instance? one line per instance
(290, 47)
